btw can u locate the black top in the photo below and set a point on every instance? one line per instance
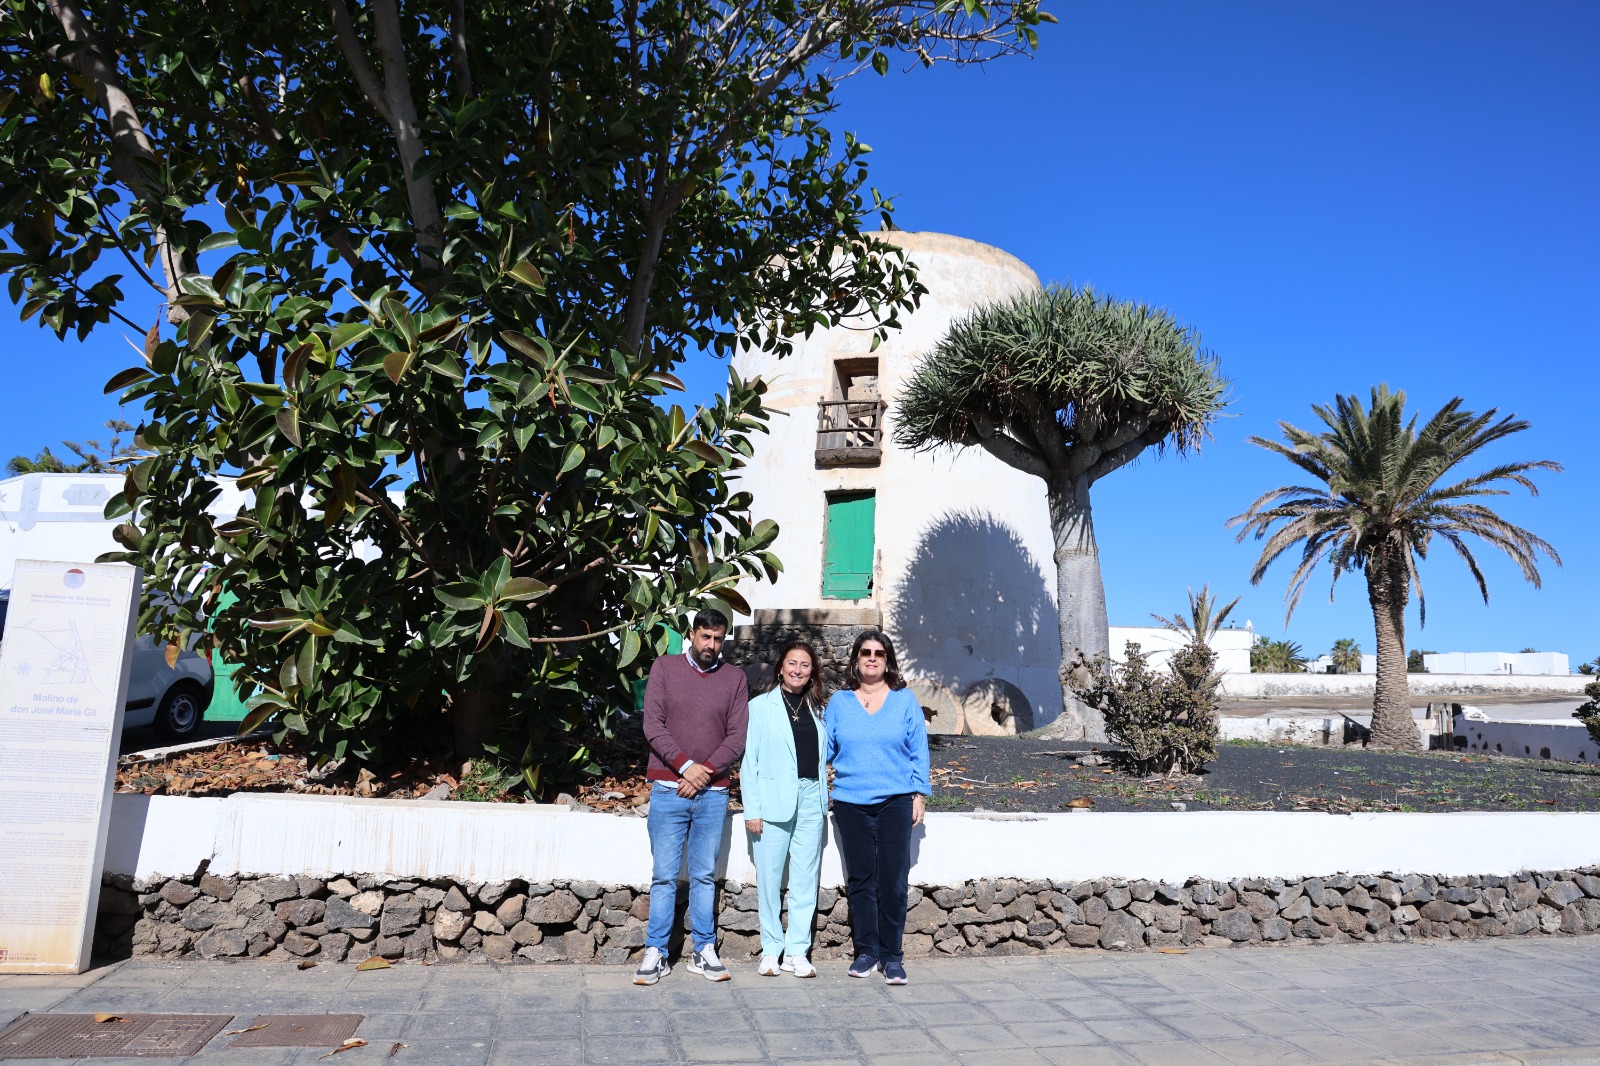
(806, 756)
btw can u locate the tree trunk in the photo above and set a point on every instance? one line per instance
(472, 718)
(1388, 589)
(1080, 603)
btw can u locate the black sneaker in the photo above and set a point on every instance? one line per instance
(894, 972)
(864, 966)
(652, 968)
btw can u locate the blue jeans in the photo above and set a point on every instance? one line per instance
(699, 821)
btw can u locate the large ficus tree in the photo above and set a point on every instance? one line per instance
(418, 274)
(1067, 385)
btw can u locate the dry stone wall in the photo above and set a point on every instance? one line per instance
(758, 646)
(354, 917)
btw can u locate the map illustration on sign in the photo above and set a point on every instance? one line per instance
(51, 654)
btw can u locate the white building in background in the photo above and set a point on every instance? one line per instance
(1323, 664)
(1231, 646)
(61, 517)
(1496, 662)
(951, 552)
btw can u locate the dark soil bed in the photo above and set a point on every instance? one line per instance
(969, 774)
(1016, 774)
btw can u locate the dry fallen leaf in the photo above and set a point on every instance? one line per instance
(305, 964)
(353, 1042)
(102, 1018)
(396, 1049)
(253, 1028)
(1081, 802)
(376, 962)
(1172, 951)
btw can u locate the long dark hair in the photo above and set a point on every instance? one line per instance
(891, 669)
(814, 689)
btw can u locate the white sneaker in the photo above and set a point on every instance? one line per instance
(705, 963)
(768, 966)
(800, 966)
(652, 968)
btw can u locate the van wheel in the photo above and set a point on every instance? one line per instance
(182, 710)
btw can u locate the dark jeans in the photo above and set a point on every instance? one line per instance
(875, 843)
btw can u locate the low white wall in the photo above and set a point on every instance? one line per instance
(1563, 741)
(1265, 686)
(321, 835)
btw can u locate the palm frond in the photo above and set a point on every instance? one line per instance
(1389, 485)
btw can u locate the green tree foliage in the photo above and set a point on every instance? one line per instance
(1383, 496)
(1276, 657)
(1589, 712)
(1202, 619)
(1167, 720)
(1415, 663)
(1346, 656)
(426, 270)
(92, 455)
(1590, 667)
(1069, 386)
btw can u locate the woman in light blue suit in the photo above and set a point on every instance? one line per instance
(785, 788)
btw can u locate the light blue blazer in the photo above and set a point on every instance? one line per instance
(769, 777)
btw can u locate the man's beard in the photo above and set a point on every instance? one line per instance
(706, 659)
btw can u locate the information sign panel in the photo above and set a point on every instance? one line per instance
(64, 659)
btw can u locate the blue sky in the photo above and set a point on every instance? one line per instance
(1333, 194)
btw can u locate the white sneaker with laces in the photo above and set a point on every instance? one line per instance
(652, 968)
(768, 966)
(800, 966)
(705, 963)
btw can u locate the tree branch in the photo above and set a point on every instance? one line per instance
(1007, 449)
(1126, 454)
(133, 158)
(458, 49)
(356, 56)
(580, 636)
(394, 103)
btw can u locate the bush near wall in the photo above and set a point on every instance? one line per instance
(357, 916)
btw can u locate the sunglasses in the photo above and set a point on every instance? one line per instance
(872, 653)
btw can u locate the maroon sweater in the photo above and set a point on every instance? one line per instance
(690, 715)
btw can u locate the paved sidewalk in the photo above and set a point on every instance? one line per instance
(1503, 1002)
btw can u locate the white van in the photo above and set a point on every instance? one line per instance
(172, 700)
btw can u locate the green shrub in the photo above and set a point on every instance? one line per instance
(1166, 721)
(1589, 713)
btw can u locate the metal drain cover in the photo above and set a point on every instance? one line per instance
(79, 1036)
(300, 1030)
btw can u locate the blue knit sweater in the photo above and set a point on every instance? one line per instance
(876, 756)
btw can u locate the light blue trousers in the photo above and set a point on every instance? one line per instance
(797, 842)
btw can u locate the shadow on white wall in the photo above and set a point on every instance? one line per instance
(972, 604)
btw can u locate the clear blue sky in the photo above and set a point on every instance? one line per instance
(1334, 194)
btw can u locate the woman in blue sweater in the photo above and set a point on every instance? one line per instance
(878, 745)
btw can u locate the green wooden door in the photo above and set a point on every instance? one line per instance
(847, 561)
(225, 703)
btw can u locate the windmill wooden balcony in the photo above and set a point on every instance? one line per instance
(850, 432)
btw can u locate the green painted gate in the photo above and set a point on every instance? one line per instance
(847, 560)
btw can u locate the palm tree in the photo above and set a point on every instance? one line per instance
(1276, 657)
(1203, 619)
(46, 462)
(1346, 656)
(1068, 386)
(1381, 502)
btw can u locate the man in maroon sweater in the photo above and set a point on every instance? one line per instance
(695, 712)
